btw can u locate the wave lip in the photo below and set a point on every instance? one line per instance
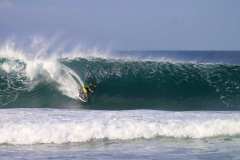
(34, 126)
(21, 73)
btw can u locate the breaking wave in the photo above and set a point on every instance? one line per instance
(37, 81)
(34, 126)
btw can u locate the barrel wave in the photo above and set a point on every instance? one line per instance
(160, 85)
(120, 84)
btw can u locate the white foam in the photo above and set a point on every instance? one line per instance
(38, 68)
(32, 126)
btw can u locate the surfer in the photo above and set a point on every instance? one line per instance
(86, 90)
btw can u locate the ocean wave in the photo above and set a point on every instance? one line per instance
(21, 74)
(49, 81)
(34, 126)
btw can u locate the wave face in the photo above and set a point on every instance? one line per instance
(33, 126)
(120, 83)
(184, 86)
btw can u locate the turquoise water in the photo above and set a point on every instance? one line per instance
(121, 84)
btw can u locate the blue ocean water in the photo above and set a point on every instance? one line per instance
(143, 105)
(169, 149)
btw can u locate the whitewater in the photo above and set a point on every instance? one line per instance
(33, 70)
(38, 126)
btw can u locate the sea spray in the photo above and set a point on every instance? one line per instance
(29, 71)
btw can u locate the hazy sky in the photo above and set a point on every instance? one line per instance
(127, 24)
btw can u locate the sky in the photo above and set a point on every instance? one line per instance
(126, 24)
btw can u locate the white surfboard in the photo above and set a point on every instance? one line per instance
(82, 97)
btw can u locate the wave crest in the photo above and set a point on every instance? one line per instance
(21, 72)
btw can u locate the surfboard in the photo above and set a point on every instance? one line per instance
(83, 100)
(82, 97)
